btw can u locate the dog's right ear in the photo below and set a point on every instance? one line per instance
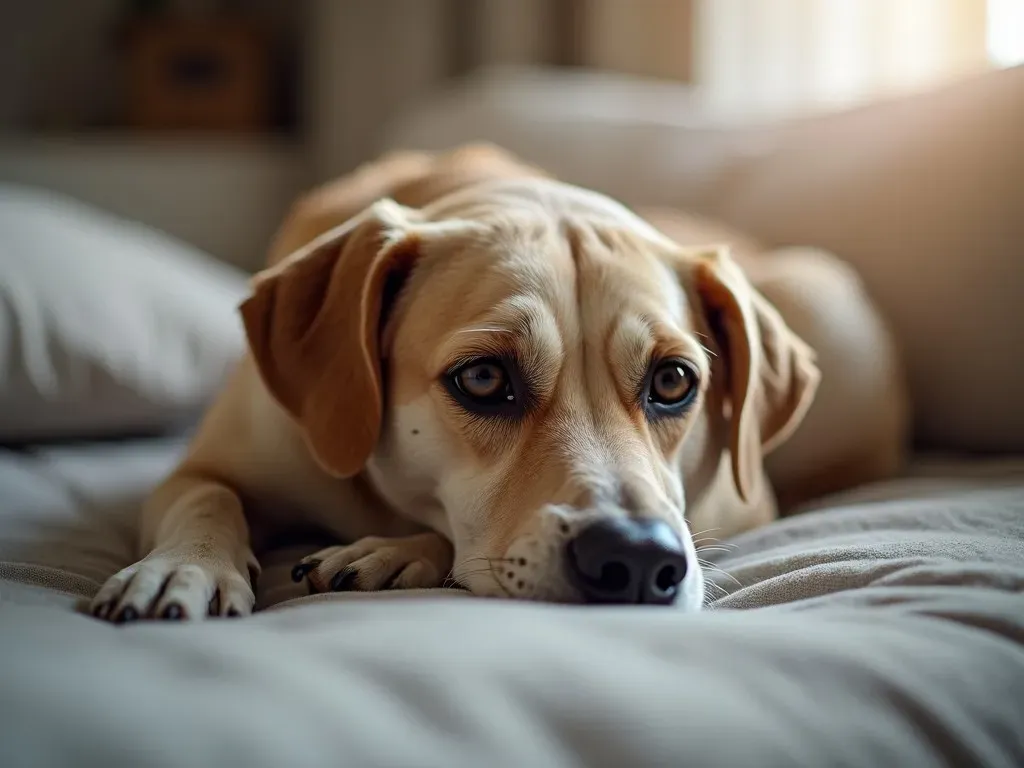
(313, 324)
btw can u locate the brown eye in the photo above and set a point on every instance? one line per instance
(491, 387)
(673, 385)
(485, 382)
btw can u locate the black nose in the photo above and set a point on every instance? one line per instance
(618, 560)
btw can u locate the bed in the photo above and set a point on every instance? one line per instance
(885, 629)
(880, 627)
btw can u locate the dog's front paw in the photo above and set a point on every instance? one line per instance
(411, 562)
(175, 586)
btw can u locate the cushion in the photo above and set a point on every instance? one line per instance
(106, 327)
(884, 630)
(924, 197)
(921, 194)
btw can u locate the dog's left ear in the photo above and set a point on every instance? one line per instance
(772, 375)
(313, 323)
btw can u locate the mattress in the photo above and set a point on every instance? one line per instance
(883, 627)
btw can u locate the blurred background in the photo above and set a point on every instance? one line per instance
(204, 118)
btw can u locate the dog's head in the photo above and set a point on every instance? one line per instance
(533, 371)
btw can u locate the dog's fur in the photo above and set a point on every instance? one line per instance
(381, 282)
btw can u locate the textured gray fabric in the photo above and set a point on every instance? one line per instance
(879, 632)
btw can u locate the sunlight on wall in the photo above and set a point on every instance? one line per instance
(794, 55)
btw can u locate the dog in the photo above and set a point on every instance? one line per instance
(468, 372)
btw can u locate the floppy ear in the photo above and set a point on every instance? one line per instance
(772, 375)
(313, 322)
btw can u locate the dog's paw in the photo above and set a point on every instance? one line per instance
(174, 587)
(412, 562)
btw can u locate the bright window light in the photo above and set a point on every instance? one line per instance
(1006, 32)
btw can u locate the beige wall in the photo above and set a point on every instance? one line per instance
(364, 60)
(224, 197)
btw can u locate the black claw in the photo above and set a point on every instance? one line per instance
(343, 580)
(390, 583)
(233, 612)
(299, 571)
(174, 612)
(127, 614)
(103, 609)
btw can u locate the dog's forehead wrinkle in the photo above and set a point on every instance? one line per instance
(498, 201)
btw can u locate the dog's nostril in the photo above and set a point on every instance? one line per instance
(614, 577)
(666, 579)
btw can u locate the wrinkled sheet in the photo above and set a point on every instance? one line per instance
(885, 629)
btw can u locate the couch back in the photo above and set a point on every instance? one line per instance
(923, 195)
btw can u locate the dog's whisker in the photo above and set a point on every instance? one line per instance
(713, 548)
(713, 540)
(450, 581)
(487, 565)
(706, 530)
(480, 559)
(499, 582)
(713, 592)
(715, 569)
(469, 574)
(710, 353)
(484, 330)
(719, 587)
(489, 561)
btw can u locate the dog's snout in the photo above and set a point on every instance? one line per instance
(619, 560)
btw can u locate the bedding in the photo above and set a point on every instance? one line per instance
(107, 327)
(883, 627)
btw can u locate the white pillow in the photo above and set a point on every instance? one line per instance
(106, 327)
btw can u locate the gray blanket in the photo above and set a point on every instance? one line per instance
(886, 630)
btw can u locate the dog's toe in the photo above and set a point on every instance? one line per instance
(418, 575)
(300, 571)
(372, 564)
(344, 580)
(173, 590)
(173, 612)
(126, 614)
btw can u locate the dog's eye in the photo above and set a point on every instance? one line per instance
(673, 385)
(483, 381)
(484, 386)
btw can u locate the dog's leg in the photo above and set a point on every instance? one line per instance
(199, 560)
(411, 562)
(856, 430)
(194, 538)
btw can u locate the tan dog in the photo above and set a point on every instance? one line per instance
(469, 370)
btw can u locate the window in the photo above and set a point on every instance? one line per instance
(1005, 32)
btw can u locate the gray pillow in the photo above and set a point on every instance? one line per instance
(106, 327)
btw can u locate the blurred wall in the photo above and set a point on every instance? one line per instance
(364, 59)
(362, 62)
(225, 197)
(59, 89)
(369, 59)
(62, 67)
